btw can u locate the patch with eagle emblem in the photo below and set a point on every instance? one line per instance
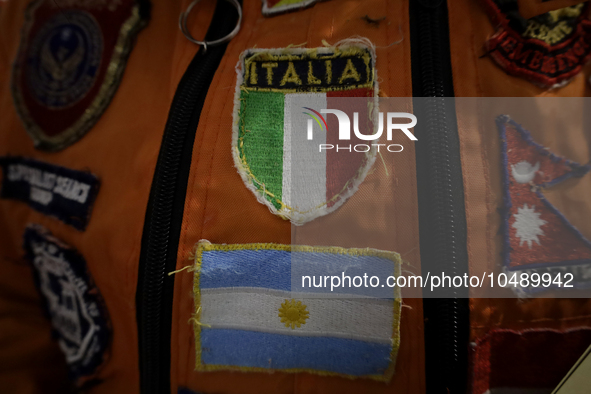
(70, 61)
(538, 238)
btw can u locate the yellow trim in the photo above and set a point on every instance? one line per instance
(310, 89)
(288, 54)
(206, 246)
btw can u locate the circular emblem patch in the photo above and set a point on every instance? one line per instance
(70, 61)
(63, 59)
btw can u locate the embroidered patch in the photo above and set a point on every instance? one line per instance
(538, 238)
(279, 132)
(70, 61)
(55, 191)
(548, 49)
(274, 7)
(78, 315)
(529, 361)
(248, 319)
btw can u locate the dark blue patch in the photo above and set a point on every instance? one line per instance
(64, 58)
(55, 191)
(77, 311)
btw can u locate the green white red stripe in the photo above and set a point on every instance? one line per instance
(286, 169)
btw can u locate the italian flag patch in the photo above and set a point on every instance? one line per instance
(286, 150)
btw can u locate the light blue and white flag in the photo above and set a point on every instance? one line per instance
(249, 319)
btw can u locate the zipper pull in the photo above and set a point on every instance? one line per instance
(183, 26)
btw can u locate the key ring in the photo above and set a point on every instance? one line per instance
(183, 26)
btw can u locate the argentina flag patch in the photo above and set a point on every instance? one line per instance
(247, 318)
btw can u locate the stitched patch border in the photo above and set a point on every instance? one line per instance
(59, 192)
(547, 65)
(344, 51)
(359, 49)
(206, 246)
(576, 170)
(78, 314)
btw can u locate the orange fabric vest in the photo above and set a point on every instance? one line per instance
(122, 150)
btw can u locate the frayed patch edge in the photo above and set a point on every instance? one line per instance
(371, 155)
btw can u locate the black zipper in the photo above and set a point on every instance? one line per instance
(164, 214)
(442, 218)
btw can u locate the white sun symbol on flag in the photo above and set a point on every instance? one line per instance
(528, 225)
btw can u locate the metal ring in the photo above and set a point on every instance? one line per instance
(183, 26)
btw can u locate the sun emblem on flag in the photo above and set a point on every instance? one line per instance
(293, 313)
(528, 225)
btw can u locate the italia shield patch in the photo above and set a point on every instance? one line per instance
(249, 318)
(77, 311)
(286, 141)
(538, 238)
(70, 61)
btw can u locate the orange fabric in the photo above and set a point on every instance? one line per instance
(121, 149)
(221, 209)
(530, 8)
(476, 75)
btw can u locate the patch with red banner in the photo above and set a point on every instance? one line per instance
(548, 49)
(537, 237)
(70, 61)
